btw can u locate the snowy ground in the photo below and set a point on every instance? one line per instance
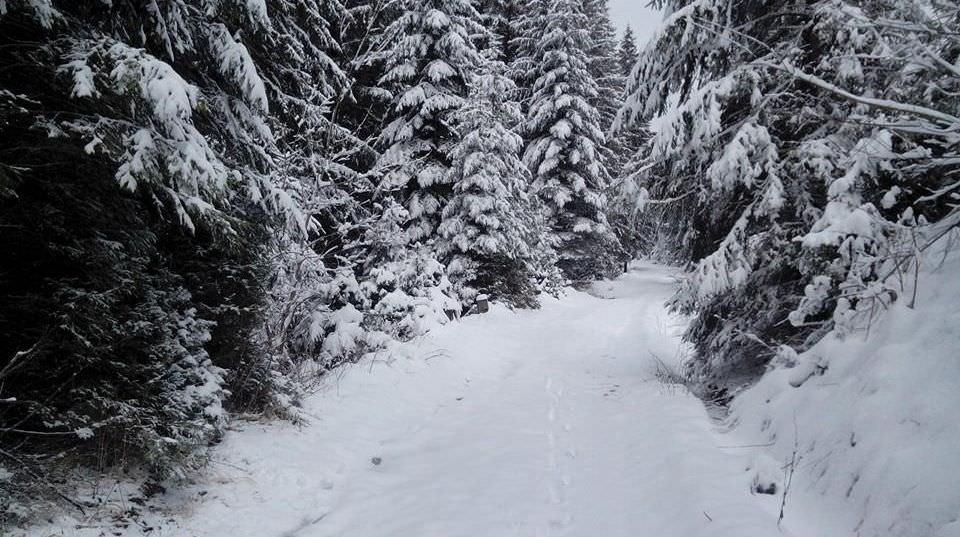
(872, 418)
(537, 423)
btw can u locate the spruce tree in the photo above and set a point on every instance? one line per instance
(627, 54)
(525, 31)
(565, 152)
(603, 61)
(321, 159)
(500, 19)
(364, 106)
(491, 227)
(429, 55)
(139, 189)
(626, 139)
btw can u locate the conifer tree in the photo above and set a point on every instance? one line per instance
(627, 54)
(321, 160)
(525, 30)
(363, 108)
(500, 17)
(625, 193)
(603, 61)
(491, 227)
(565, 152)
(429, 55)
(144, 136)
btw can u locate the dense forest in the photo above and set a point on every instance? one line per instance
(207, 204)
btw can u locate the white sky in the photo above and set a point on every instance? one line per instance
(636, 14)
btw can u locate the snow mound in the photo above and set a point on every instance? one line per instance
(873, 420)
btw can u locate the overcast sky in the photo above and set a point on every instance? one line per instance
(636, 14)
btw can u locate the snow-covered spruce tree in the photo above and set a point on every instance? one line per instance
(137, 188)
(429, 55)
(364, 107)
(792, 154)
(502, 19)
(565, 150)
(358, 282)
(627, 53)
(604, 66)
(625, 193)
(405, 286)
(493, 237)
(520, 44)
(604, 63)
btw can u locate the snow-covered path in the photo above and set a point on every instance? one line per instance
(542, 423)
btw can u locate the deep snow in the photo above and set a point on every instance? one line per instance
(872, 418)
(533, 423)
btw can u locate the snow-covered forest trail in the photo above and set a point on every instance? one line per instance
(538, 423)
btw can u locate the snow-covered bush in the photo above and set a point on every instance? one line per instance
(870, 418)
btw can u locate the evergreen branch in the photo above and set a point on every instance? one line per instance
(951, 121)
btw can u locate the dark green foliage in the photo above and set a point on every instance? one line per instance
(110, 334)
(124, 331)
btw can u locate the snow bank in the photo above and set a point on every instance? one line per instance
(873, 419)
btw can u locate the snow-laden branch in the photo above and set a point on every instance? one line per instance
(953, 122)
(19, 358)
(951, 68)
